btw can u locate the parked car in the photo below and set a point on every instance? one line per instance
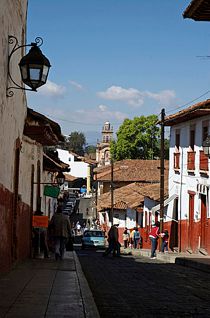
(93, 238)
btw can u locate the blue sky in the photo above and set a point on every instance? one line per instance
(116, 59)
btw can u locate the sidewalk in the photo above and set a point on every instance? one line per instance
(47, 288)
(197, 261)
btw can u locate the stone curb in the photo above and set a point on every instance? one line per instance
(184, 261)
(90, 307)
(196, 262)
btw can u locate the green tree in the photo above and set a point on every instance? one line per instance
(137, 138)
(90, 149)
(76, 142)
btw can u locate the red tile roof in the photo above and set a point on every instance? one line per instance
(131, 170)
(69, 177)
(42, 134)
(194, 111)
(130, 196)
(198, 10)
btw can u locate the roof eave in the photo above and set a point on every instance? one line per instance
(198, 10)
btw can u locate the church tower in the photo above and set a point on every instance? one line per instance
(103, 147)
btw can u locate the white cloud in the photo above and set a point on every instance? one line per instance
(76, 85)
(136, 98)
(107, 114)
(131, 95)
(164, 97)
(100, 114)
(103, 108)
(52, 89)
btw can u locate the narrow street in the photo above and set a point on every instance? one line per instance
(82, 214)
(140, 287)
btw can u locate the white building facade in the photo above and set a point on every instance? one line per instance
(189, 179)
(79, 168)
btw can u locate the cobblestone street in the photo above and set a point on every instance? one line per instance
(140, 287)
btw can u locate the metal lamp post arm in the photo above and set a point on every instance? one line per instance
(13, 40)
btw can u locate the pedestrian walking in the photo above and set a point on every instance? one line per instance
(165, 238)
(154, 235)
(78, 228)
(136, 238)
(126, 238)
(132, 238)
(61, 230)
(113, 240)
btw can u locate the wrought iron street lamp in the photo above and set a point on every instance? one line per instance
(34, 66)
(60, 178)
(206, 146)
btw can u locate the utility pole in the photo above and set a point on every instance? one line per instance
(112, 191)
(162, 168)
(96, 195)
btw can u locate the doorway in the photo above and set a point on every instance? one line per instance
(191, 220)
(174, 227)
(203, 221)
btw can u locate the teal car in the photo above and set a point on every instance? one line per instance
(93, 238)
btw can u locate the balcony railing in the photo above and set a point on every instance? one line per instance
(203, 161)
(191, 160)
(176, 160)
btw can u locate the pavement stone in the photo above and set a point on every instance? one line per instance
(136, 286)
(197, 261)
(46, 288)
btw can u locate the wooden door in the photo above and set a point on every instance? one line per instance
(203, 221)
(191, 220)
(173, 242)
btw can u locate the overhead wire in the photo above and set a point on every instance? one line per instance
(77, 122)
(192, 101)
(117, 123)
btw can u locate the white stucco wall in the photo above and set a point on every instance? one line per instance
(180, 182)
(79, 169)
(12, 109)
(148, 205)
(31, 153)
(130, 218)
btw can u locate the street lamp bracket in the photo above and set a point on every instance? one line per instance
(34, 66)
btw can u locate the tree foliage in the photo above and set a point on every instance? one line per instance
(90, 149)
(137, 138)
(76, 142)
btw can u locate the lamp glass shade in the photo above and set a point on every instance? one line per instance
(45, 72)
(24, 74)
(34, 68)
(206, 150)
(206, 146)
(60, 178)
(34, 73)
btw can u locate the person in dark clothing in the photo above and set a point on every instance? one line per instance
(61, 231)
(136, 238)
(113, 240)
(165, 238)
